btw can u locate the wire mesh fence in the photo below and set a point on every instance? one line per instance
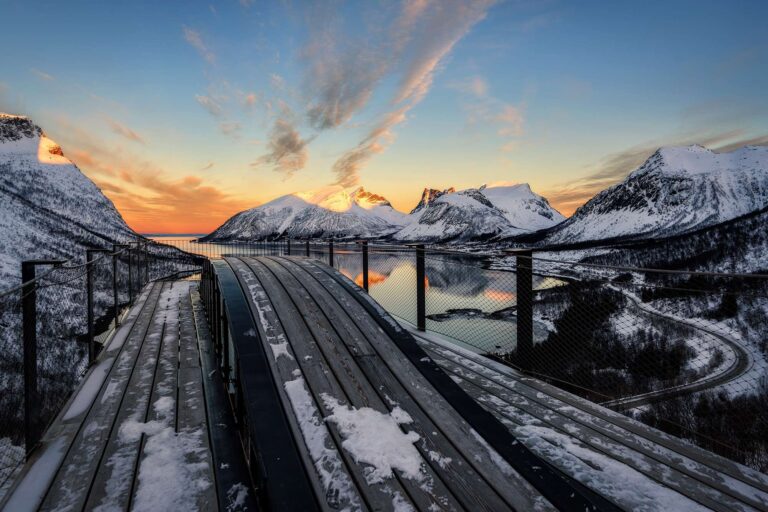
(682, 351)
(51, 324)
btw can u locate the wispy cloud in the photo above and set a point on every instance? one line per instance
(212, 106)
(430, 30)
(194, 38)
(230, 128)
(42, 75)
(124, 131)
(287, 149)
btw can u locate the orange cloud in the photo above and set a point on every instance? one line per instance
(148, 198)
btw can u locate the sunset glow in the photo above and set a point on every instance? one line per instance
(184, 117)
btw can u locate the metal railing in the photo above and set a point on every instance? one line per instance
(52, 326)
(685, 351)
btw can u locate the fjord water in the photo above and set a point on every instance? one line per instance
(461, 292)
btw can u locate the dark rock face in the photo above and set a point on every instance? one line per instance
(429, 196)
(15, 128)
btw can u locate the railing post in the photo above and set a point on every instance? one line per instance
(364, 244)
(115, 290)
(130, 274)
(307, 245)
(330, 253)
(524, 291)
(287, 246)
(29, 339)
(421, 278)
(89, 303)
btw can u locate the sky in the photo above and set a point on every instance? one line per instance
(185, 113)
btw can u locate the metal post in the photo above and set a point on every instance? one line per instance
(524, 290)
(146, 264)
(330, 253)
(89, 302)
(115, 291)
(421, 278)
(32, 431)
(287, 246)
(364, 243)
(307, 243)
(130, 274)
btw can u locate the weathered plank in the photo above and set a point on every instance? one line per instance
(455, 468)
(481, 457)
(285, 318)
(73, 480)
(112, 484)
(671, 468)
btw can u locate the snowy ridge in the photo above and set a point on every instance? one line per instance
(677, 190)
(331, 211)
(476, 214)
(445, 215)
(48, 208)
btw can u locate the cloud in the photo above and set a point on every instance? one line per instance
(149, 197)
(194, 38)
(276, 81)
(287, 150)
(124, 131)
(42, 75)
(230, 128)
(212, 106)
(250, 99)
(246, 3)
(428, 31)
(475, 86)
(615, 167)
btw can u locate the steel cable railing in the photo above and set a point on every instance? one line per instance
(682, 350)
(51, 326)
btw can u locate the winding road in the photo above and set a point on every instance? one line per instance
(740, 364)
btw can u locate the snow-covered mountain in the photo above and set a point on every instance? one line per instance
(478, 214)
(48, 208)
(328, 212)
(440, 216)
(677, 190)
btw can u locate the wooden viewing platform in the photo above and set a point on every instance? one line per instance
(278, 384)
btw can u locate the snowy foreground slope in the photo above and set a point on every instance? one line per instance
(677, 190)
(48, 208)
(440, 216)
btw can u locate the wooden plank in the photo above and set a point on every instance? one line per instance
(704, 460)
(59, 438)
(338, 489)
(112, 484)
(280, 474)
(284, 316)
(189, 355)
(230, 471)
(673, 468)
(359, 391)
(515, 489)
(474, 492)
(73, 480)
(520, 414)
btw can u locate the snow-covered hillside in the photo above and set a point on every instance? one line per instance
(48, 208)
(328, 212)
(477, 214)
(677, 190)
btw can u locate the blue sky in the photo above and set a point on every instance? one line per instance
(186, 112)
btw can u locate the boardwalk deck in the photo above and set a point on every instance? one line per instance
(135, 435)
(342, 408)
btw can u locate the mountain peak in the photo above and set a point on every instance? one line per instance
(14, 128)
(429, 195)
